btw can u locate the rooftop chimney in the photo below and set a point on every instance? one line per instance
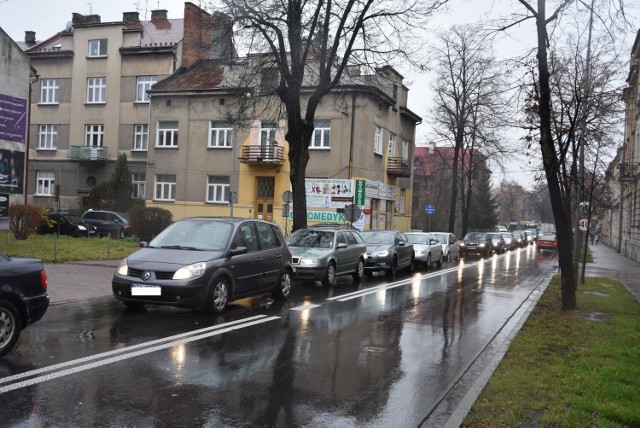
(30, 37)
(78, 18)
(158, 14)
(131, 17)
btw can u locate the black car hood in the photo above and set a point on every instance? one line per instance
(172, 256)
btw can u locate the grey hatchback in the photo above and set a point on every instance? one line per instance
(206, 262)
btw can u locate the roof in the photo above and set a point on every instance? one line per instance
(204, 74)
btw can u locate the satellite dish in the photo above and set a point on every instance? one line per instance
(69, 26)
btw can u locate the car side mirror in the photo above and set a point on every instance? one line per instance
(237, 251)
(433, 242)
(401, 244)
(341, 245)
(144, 244)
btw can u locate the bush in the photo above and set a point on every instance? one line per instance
(146, 223)
(24, 220)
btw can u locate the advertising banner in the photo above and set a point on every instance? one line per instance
(13, 118)
(11, 171)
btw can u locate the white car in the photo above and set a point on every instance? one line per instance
(450, 245)
(427, 248)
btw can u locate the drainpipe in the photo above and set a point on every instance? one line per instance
(353, 114)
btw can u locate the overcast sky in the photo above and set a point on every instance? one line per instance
(47, 17)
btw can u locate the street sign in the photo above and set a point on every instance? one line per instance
(287, 196)
(352, 213)
(583, 224)
(430, 209)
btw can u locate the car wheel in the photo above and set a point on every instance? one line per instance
(330, 275)
(412, 264)
(445, 256)
(428, 263)
(218, 296)
(283, 286)
(439, 262)
(10, 326)
(359, 273)
(394, 267)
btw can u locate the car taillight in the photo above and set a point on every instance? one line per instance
(43, 280)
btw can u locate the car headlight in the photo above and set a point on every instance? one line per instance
(383, 253)
(309, 262)
(462, 244)
(418, 252)
(481, 245)
(123, 268)
(80, 227)
(192, 271)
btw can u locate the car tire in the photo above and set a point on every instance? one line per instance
(412, 264)
(428, 262)
(218, 296)
(393, 269)
(439, 262)
(330, 275)
(283, 286)
(446, 256)
(10, 326)
(359, 272)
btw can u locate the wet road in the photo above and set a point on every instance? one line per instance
(383, 353)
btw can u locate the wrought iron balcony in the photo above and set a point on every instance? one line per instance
(628, 171)
(259, 154)
(398, 167)
(88, 153)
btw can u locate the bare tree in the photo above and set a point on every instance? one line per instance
(510, 198)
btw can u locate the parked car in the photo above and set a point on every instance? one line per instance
(509, 240)
(387, 251)
(206, 262)
(23, 297)
(476, 243)
(547, 242)
(323, 252)
(426, 247)
(450, 245)
(66, 224)
(110, 223)
(497, 241)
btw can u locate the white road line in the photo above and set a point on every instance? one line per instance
(127, 349)
(305, 307)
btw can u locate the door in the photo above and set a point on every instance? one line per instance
(265, 198)
(247, 268)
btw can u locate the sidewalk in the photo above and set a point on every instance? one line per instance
(608, 263)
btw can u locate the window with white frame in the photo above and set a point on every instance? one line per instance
(97, 48)
(220, 134)
(96, 90)
(167, 134)
(217, 189)
(94, 135)
(321, 134)
(143, 85)
(165, 187)
(141, 137)
(45, 181)
(267, 133)
(377, 140)
(139, 181)
(405, 150)
(49, 91)
(401, 201)
(48, 137)
(392, 145)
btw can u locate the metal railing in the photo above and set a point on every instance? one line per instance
(88, 153)
(257, 153)
(398, 167)
(628, 171)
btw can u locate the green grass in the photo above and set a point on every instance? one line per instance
(569, 368)
(66, 248)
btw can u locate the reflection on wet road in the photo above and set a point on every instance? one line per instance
(383, 352)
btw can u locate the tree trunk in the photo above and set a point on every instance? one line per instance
(454, 183)
(299, 137)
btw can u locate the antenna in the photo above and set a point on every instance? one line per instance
(90, 9)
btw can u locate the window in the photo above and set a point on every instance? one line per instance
(94, 135)
(96, 90)
(267, 133)
(269, 82)
(401, 202)
(49, 91)
(218, 189)
(392, 145)
(97, 48)
(139, 181)
(45, 183)
(405, 149)
(377, 141)
(165, 187)
(220, 134)
(144, 84)
(167, 134)
(48, 137)
(320, 138)
(140, 137)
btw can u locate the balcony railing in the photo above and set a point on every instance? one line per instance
(628, 171)
(398, 167)
(88, 153)
(259, 154)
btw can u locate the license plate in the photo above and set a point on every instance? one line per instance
(145, 290)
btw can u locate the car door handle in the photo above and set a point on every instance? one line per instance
(258, 259)
(279, 256)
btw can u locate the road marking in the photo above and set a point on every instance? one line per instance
(129, 352)
(305, 307)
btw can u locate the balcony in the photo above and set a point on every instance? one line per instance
(398, 167)
(628, 171)
(259, 155)
(88, 154)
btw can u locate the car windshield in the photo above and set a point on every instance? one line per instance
(311, 238)
(208, 235)
(378, 238)
(506, 235)
(441, 237)
(475, 236)
(73, 218)
(418, 238)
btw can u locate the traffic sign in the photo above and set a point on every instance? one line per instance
(583, 224)
(352, 212)
(430, 209)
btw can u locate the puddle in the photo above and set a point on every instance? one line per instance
(597, 293)
(596, 316)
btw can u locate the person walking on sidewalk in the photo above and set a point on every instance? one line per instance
(597, 238)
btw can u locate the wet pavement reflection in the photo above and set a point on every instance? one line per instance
(383, 352)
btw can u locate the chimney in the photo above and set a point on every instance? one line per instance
(131, 17)
(79, 19)
(158, 14)
(30, 37)
(222, 36)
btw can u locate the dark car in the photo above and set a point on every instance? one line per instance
(206, 262)
(519, 238)
(509, 240)
(321, 253)
(476, 243)
(387, 251)
(66, 224)
(23, 297)
(108, 223)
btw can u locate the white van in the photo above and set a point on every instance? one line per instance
(501, 229)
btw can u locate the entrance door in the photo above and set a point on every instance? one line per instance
(265, 198)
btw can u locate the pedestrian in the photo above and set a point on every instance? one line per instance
(597, 238)
(592, 237)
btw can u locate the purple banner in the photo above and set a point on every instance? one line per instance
(11, 171)
(13, 118)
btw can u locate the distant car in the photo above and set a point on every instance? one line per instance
(426, 247)
(450, 245)
(529, 237)
(387, 251)
(476, 243)
(533, 233)
(108, 223)
(23, 297)
(66, 224)
(500, 228)
(509, 240)
(547, 242)
(321, 253)
(206, 262)
(519, 238)
(498, 243)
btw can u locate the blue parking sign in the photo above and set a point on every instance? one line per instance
(430, 209)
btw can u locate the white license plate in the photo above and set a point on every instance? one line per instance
(145, 290)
